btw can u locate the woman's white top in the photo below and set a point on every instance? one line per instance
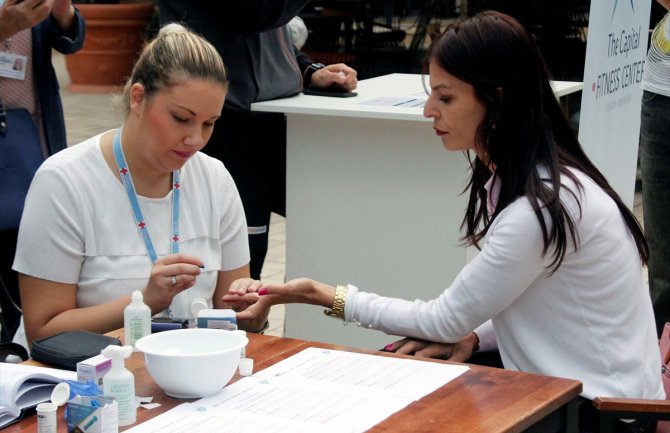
(591, 320)
(78, 227)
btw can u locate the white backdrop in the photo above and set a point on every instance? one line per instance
(609, 123)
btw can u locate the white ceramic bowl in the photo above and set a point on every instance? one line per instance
(192, 363)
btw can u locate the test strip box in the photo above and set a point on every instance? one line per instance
(217, 319)
(92, 415)
(93, 369)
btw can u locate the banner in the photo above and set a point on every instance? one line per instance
(609, 124)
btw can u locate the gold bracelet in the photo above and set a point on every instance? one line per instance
(338, 303)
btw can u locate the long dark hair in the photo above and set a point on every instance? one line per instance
(524, 128)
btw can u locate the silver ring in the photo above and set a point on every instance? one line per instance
(174, 280)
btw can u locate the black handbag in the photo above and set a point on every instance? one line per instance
(20, 157)
(66, 349)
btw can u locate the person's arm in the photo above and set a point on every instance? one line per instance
(64, 14)
(318, 76)
(241, 17)
(253, 298)
(66, 29)
(479, 292)
(337, 74)
(50, 307)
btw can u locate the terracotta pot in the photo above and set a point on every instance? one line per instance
(114, 36)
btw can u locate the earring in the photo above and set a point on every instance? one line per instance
(493, 125)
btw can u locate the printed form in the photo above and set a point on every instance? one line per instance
(396, 101)
(314, 390)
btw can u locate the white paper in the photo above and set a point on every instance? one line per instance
(391, 101)
(23, 386)
(409, 378)
(314, 390)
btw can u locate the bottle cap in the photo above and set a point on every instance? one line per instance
(46, 407)
(246, 366)
(117, 353)
(60, 394)
(136, 297)
(197, 305)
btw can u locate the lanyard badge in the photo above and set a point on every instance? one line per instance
(140, 222)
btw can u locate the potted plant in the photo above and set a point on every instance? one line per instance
(115, 32)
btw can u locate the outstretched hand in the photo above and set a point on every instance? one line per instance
(258, 297)
(251, 314)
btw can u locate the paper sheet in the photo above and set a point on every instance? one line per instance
(391, 101)
(314, 390)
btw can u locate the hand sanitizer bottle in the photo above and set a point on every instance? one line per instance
(136, 319)
(119, 383)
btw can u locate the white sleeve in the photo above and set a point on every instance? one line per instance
(51, 235)
(487, 337)
(234, 237)
(510, 260)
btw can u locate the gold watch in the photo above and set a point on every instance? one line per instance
(338, 303)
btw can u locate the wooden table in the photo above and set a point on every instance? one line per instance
(483, 400)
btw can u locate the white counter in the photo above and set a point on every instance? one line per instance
(391, 86)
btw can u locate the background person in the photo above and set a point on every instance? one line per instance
(82, 250)
(32, 29)
(254, 41)
(655, 165)
(560, 267)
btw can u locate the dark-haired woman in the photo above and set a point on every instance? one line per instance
(560, 267)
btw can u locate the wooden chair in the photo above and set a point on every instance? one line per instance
(633, 408)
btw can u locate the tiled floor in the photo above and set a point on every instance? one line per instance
(89, 114)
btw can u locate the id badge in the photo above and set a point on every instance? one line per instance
(13, 66)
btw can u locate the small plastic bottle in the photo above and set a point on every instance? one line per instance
(243, 351)
(119, 383)
(197, 305)
(46, 418)
(136, 319)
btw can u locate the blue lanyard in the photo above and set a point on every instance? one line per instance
(140, 222)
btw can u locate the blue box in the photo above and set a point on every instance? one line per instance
(217, 319)
(92, 415)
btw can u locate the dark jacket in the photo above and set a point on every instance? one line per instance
(47, 36)
(252, 39)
